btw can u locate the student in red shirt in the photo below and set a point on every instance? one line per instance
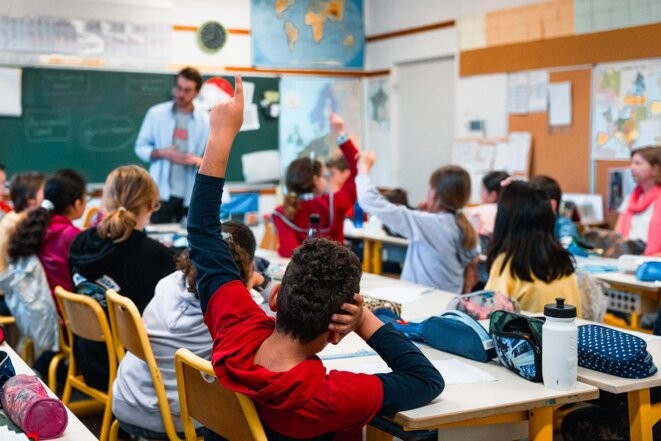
(308, 194)
(274, 361)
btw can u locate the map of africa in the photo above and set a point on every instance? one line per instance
(321, 34)
(627, 109)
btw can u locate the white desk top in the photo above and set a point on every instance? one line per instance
(618, 277)
(373, 234)
(76, 430)
(461, 402)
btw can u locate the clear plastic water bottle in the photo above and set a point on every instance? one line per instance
(314, 230)
(559, 345)
(358, 215)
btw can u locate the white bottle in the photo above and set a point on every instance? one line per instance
(559, 346)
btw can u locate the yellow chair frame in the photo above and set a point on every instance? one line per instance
(233, 414)
(84, 317)
(129, 334)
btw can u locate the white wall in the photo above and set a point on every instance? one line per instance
(231, 13)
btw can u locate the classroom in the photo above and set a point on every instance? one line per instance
(330, 219)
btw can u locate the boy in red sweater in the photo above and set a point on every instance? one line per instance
(274, 360)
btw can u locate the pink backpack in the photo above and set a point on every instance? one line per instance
(27, 403)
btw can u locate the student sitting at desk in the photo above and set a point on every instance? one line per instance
(525, 260)
(173, 320)
(483, 216)
(443, 245)
(640, 215)
(275, 362)
(564, 229)
(117, 254)
(48, 231)
(308, 194)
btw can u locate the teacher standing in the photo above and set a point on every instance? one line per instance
(172, 140)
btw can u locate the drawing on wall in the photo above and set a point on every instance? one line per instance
(627, 109)
(306, 105)
(378, 104)
(321, 34)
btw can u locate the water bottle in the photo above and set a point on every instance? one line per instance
(358, 215)
(314, 230)
(559, 345)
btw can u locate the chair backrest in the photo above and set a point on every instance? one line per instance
(89, 216)
(270, 239)
(129, 334)
(84, 317)
(232, 415)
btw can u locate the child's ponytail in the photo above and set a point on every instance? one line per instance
(290, 205)
(469, 240)
(28, 239)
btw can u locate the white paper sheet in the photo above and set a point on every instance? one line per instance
(398, 294)
(538, 83)
(517, 93)
(560, 104)
(250, 118)
(454, 371)
(10, 90)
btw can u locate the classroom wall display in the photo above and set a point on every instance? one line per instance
(306, 106)
(89, 119)
(626, 108)
(321, 34)
(480, 156)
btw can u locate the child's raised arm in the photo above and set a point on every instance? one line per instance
(209, 252)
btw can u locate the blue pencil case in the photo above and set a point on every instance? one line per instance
(649, 271)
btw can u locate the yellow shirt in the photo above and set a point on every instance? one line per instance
(532, 296)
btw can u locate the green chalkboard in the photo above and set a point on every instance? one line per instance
(89, 119)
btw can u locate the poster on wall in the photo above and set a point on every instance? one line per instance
(626, 109)
(314, 34)
(304, 121)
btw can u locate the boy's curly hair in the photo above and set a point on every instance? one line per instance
(321, 276)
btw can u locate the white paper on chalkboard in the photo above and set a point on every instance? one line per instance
(10, 90)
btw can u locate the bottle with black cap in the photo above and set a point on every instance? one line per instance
(559, 345)
(314, 230)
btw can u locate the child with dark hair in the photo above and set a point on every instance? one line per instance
(26, 191)
(4, 206)
(525, 260)
(48, 230)
(338, 172)
(483, 216)
(308, 194)
(275, 362)
(443, 245)
(564, 229)
(173, 319)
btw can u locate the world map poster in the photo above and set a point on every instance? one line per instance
(626, 109)
(308, 34)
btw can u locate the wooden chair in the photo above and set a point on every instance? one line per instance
(89, 216)
(270, 239)
(232, 416)
(129, 334)
(65, 352)
(85, 318)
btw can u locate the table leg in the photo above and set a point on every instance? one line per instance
(374, 434)
(367, 256)
(540, 423)
(640, 420)
(377, 257)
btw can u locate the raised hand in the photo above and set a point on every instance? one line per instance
(336, 123)
(227, 117)
(366, 162)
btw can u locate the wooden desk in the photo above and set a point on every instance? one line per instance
(373, 246)
(509, 399)
(76, 430)
(642, 414)
(648, 293)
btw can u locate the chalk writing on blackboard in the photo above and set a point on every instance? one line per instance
(64, 84)
(47, 125)
(147, 86)
(107, 133)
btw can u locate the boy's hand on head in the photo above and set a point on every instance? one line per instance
(366, 162)
(352, 318)
(227, 117)
(336, 124)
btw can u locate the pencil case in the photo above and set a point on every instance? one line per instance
(27, 403)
